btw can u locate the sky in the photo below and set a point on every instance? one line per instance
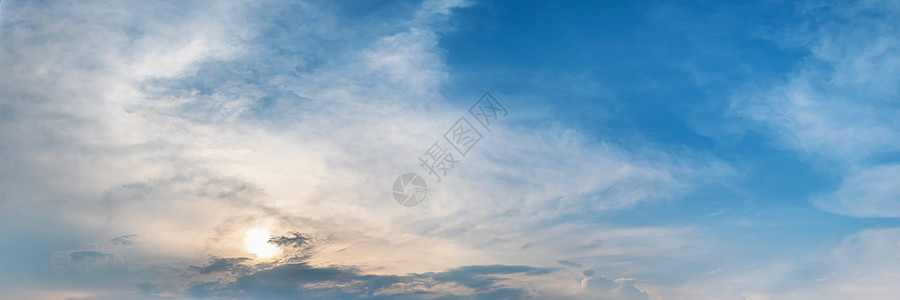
(589, 149)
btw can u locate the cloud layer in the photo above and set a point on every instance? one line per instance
(140, 142)
(179, 127)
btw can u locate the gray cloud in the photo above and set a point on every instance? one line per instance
(189, 123)
(308, 282)
(124, 240)
(569, 263)
(217, 264)
(85, 260)
(292, 239)
(300, 280)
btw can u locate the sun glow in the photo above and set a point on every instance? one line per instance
(257, 242)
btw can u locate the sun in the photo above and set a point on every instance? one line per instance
(257, 242)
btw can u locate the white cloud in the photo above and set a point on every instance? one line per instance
(863, 266)
(840, 107)
(870, 192)
(112, 132)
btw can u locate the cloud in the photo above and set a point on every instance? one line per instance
(122, 297)
(839, 108)
(292, 239)
(293, 276)
(217, 264)
(124, 240)
(569, 263)
(870, 192)
(619, 289)
(468, 282)
(189, 124)
(85, 260)
(863, 265)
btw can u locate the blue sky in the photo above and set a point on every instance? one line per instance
(247, 150)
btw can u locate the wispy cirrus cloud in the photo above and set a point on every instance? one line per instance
(839, 108)
(186, 124)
